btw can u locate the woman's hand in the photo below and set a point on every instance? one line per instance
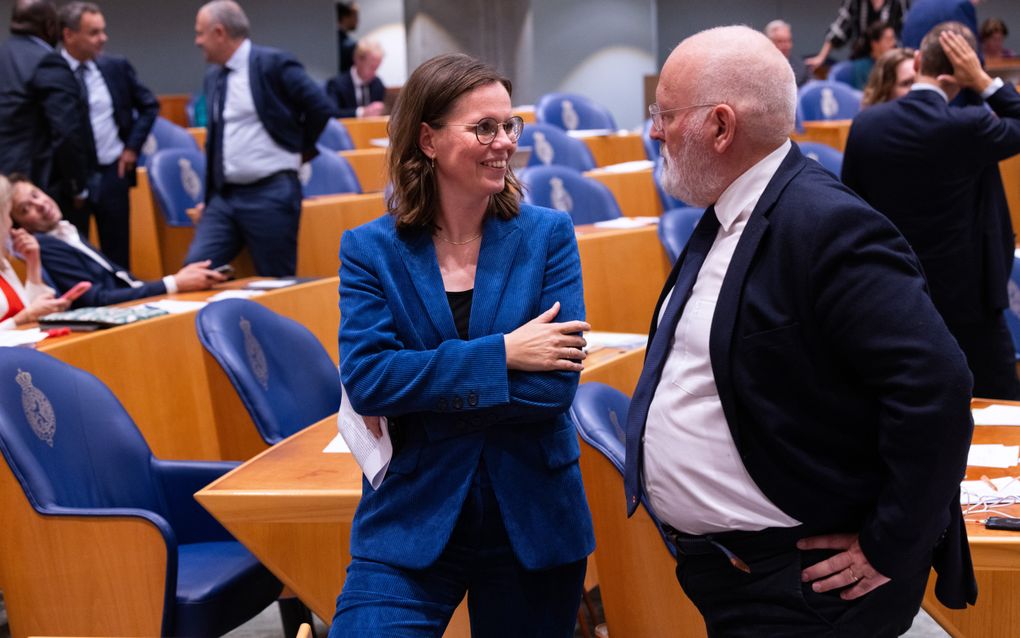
(374, 425)
(40, 307)
(541, 345)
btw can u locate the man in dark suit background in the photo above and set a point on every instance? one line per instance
(346, 22)
(360, 92)
(121, 114)
(802, 421)
(933, 170)
(265, 115)
(68, 258)
(43, 123)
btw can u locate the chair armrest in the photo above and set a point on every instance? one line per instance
(180, 480)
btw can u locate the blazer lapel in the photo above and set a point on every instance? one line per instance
(255, 79)
(500, 241)
(419, 255)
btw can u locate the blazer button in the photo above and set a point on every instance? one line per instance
(442, 404)
(633, 499)
(472, 399)
(458, 403)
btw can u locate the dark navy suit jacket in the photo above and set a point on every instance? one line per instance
(925, 14)
(135, 107)
(44, 130)
(933, 170)
(291, 106)
(340, 89)
(66, 266)
(453, 402)
(846, 396)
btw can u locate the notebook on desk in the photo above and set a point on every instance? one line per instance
(88, 319)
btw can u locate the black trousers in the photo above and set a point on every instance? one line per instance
(109, 201)
(771, 600)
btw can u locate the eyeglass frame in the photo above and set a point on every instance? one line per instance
(656, 114)
(501, 125)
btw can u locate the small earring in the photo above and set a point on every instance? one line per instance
(432, 160)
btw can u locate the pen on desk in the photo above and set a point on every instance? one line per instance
(989, 483)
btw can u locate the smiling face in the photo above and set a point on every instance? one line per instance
(464, 165)
(34, 210)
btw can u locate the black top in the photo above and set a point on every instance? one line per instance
(460, 306)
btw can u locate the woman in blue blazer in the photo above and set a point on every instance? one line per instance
(460, 314)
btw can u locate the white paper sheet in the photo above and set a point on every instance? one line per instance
(21, 337)
(997, 415)
(627, 222)
(270, 284)
(175, 307)
(337, 446)
(626, 340)
(236, 294)
(628, 167)
(993, 455)
(1005, 489)
(372, 454)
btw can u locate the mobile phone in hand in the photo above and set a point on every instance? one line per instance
(226, 270)
(77, 290)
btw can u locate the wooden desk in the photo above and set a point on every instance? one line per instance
(364, 129)
(1010, 170)
(996, 556)
(616, 148)
(634, 191)
(833, 133)
(178, 396)
(174, 107)
(623, 272)
(292, 505)
(199, 133)
(369, 165)
(323, 220)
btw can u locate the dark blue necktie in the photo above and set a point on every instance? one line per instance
(219, 101)
(697, 248)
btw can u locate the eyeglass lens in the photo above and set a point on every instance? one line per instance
(488, 128)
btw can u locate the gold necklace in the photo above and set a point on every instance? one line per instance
(459, 243)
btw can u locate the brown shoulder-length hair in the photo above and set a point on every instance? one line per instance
(429, 96)
(882, 78)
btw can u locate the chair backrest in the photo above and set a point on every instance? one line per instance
(1013, 311)
(328, 174)
(830, 159)
(550, 145)
(640, 594)
(651, 146)
(177, 178)
(335, 137)
(828, 101)
(565, 189)
(571, 111)
(283, 375)
(668, 201)
(842, 72)
(68, 439)
(675, 228)
(165, 134)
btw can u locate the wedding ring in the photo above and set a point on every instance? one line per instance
(853, 577)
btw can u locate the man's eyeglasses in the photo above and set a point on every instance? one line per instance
(656, 114)
(487, 128)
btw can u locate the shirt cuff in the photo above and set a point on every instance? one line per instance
(170, 283)
(360, 111)
(996, 84)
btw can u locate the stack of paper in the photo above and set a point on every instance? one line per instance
(997, 415)
(624, 340)
(627, 222)
(21, 337)
(993, 455)
(235, 294)
(1005, 489)
(372, 454)
(175, 307)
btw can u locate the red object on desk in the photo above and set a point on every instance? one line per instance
(57, 332)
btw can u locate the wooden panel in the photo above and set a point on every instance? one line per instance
(634, 191)
(1010, 170)
(833, 133)
(369, 165)
(199, 133)
(174, 107)
(623, 272)
(146, 254)
(620, 371)
(616, 148)
(323, 221)
(78, 576)
(364, 129)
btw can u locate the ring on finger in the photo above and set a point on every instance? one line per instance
(853, 577)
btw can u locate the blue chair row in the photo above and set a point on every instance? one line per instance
(827, 101)
(586, 200)
(551, 145)
(571, 112)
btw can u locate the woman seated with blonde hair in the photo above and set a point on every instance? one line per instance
(21, 304)
(891, 78)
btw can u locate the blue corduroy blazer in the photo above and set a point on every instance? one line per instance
(452, 402)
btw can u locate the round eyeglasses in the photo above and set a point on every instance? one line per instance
(656, 114)
(487, 128)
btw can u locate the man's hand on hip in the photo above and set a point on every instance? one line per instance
(849, 568)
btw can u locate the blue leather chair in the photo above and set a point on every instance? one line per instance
(668, 201)
(328, 174)
(675, 228)
(842, 72)
(565, 189)
(550, 145)
(830, 159)
(101, 524)
(335, 137)
(177, 179)
(164, 135)
(828, 101)
(571, 111)
(283, 375)
(651, 146)
(1013, 311)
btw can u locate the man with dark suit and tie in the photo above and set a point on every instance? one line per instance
(802, 420)
(68, 258)
(121, 113)
(360, 92)
(265, 115)
(43, 122)
(932, 169)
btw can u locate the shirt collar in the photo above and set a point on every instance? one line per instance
(75, 63)
(924, 86)
(358, 82)
(65, 232)
(239, 60)
(739, 199)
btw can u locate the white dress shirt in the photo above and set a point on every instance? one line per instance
(27, 293)
(67, 233)
(996, 84)
(104, 127)
(693, 474)
(249, 152)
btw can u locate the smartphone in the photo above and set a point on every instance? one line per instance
(77, 290)
(1003, 522)
(226, 270)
